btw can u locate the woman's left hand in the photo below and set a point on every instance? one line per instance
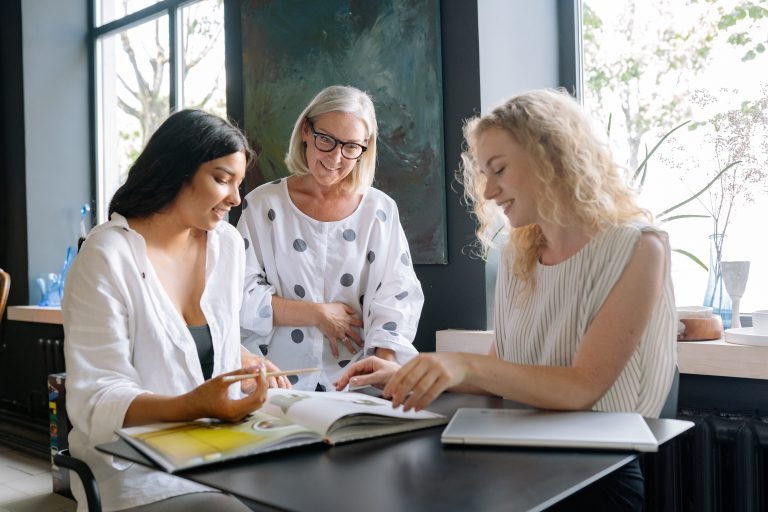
(249, 359)
(424, 378)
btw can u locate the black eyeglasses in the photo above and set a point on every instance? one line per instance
(326, 144)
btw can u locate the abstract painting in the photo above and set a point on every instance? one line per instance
(388, 48)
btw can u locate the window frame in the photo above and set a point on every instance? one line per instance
(170, 8)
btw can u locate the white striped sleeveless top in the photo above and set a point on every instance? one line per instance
(547, 328)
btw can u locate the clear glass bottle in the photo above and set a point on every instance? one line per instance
(716, 297)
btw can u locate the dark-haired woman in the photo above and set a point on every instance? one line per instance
(151, 311)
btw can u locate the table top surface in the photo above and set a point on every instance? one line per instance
(412, 471)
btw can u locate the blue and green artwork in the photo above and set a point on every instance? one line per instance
(388, 48)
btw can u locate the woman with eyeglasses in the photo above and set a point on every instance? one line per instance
(329, 277)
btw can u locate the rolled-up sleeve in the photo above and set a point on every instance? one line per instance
(256, 310)
(396, 302)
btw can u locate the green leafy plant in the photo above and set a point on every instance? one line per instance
(640, 174)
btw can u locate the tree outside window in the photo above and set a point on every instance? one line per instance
(134, 79)
(651, 65)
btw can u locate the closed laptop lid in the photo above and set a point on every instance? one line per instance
(529, 427)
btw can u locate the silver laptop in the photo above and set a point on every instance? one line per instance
(529, 427)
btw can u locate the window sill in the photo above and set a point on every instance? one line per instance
(722, 359)
(694, 357)
(38, 314)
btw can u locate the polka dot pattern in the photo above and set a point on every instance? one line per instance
(389, 326)
(293, 379)
(339, 267)
(299, 245)
(245, 204)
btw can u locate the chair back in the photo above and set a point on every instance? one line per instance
(5, 288)
(669, 410)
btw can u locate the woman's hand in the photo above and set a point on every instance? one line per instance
(249, 359)
(424, 378)
(211, 399)
(371, 371)
(338, 321)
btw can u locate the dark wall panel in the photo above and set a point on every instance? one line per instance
(13, 204)
(455, 293)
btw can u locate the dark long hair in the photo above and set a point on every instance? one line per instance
(174, 153)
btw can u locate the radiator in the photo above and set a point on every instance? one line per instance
(50, 359)
(719, 465)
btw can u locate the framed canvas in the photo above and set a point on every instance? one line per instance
(388, 48)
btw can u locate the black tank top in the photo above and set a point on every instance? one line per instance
(204, 343)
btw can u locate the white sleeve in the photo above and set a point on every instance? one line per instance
(101, 381)
(256, 309)
(395, 306)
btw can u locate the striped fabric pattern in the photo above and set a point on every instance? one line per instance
(547, 327)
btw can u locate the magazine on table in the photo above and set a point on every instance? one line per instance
(287, 419)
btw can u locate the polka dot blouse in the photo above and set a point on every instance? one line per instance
(362, 261)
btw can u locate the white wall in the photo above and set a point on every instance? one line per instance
(518, 48)
(518, 52)
(56, 111)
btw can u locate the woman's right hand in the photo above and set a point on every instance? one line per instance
(213, 401)
(371, 371)
(338, 322)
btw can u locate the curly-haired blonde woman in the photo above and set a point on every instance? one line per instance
(585, 311)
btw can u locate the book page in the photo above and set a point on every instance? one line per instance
(319, 411)
(176, 446)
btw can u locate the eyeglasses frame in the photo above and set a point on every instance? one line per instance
(336, 142)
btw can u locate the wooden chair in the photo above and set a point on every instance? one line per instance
(5, 288)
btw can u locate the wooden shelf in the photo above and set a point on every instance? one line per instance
(39, 314)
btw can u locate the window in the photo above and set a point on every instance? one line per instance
(650, 66)
(151, 58)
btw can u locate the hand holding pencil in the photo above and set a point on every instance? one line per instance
(248, 359)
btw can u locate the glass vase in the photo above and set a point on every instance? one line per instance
(716, 297)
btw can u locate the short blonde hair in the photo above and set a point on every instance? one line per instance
(338, 98)
(578, 182)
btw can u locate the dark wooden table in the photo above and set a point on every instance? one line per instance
(411, 471)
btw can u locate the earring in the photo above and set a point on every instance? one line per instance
(305, 144)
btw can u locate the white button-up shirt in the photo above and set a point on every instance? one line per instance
(125, 337)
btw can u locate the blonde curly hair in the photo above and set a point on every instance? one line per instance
(578, 181)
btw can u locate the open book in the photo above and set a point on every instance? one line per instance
(289, 418)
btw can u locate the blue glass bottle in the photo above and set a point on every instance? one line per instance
(716, 297)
